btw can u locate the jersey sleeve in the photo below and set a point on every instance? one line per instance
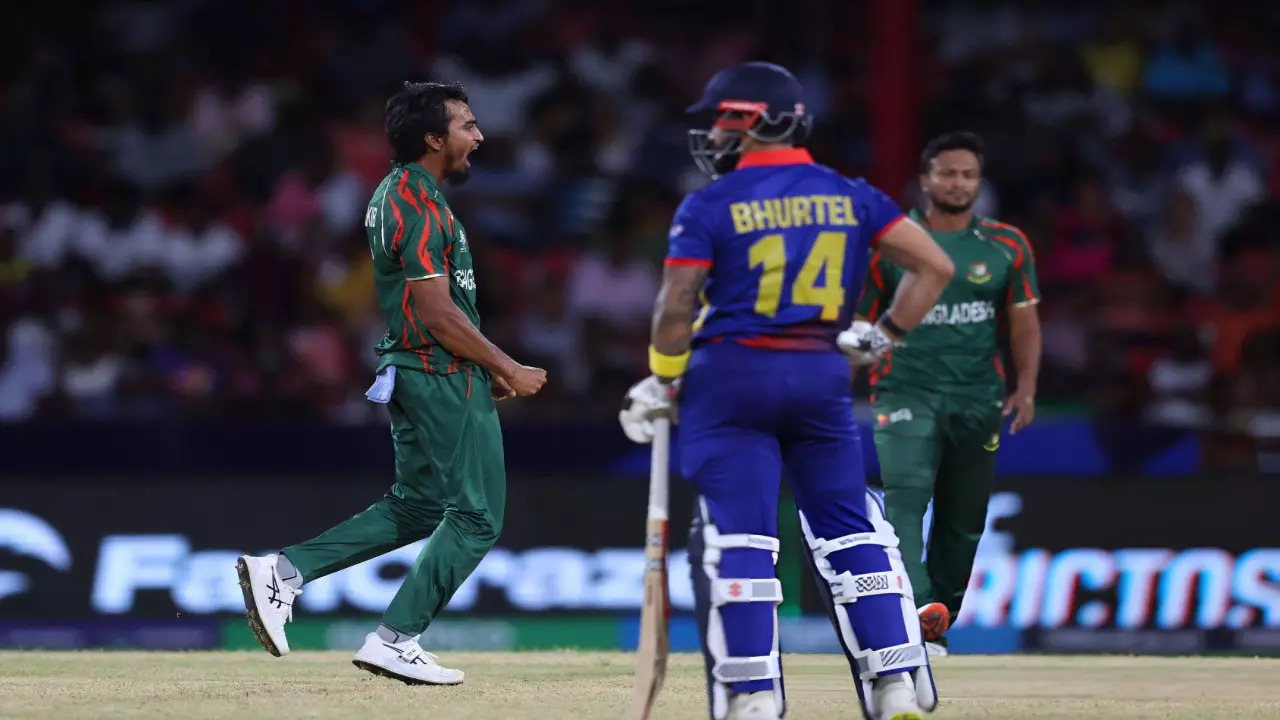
(412, 229)
(1024, 287)
(882, 213)
(689, 242)
(875, 291)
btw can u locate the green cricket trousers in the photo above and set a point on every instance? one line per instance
(941, 447)
(450, 486)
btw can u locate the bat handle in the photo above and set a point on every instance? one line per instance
(658, 469)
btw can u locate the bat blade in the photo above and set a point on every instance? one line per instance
(651, 654)
(654, 643)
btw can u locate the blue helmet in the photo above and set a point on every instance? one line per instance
(761, 99)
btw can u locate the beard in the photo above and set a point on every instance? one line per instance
(459, 172)
(459, 177)
(951, 208)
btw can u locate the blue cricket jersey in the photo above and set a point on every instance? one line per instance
(786, 242)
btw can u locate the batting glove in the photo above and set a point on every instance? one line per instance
(864, 343)
(646, 401)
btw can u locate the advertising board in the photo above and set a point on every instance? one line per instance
(1068, 565)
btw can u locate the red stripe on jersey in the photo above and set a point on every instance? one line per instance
(1017, 260)
(431, 206)
(1009, 228)
(403, 190)
(781, 156)
(424, 251)
(427, 201)
(406, 307)
(784, 342)
(468, 381)
(862, 295)
(435, 210)
(395, 241)
(1031, 255)
(882, 368)
(1026, 287)
(877, 275)
(999, 367)
(875, 241)
(686, 262)
(885, 365)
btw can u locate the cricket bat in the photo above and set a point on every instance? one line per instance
(651, 653)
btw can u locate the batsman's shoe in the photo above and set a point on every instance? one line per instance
(268, 601)
(935, 619)
(753, 706)
(405, 661)
(936, 649)
(896, 698)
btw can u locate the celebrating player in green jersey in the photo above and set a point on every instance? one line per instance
(439, 378)
(939, 396)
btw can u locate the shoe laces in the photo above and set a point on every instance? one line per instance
(282, 595)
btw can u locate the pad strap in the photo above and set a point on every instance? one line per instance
(822, 548)
(847, 587)
(743, 540)
(727, 590)
(715, 542)
(742, 669)
(873, 663)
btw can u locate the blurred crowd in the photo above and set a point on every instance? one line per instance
(182, 186)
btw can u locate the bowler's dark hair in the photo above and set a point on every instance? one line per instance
(953, 141)
(416, 110)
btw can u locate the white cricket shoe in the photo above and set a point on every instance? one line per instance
(936, 649)
(268, 601)
(405, 661)
(753, 706)
(895, 697)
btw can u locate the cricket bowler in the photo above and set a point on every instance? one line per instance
(439, 378)
(939, 398)
(776, 247)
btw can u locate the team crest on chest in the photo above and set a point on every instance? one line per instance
(978, 273)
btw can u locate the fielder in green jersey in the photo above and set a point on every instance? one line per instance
(439, 378)
(939, 397)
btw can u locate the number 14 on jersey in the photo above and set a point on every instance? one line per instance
(825, 260)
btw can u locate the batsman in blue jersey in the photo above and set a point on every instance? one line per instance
(761, 276)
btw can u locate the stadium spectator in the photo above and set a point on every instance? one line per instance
(181, 219)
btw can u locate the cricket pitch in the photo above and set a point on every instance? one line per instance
(198, 685)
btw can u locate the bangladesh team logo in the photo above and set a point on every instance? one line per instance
(978, 273)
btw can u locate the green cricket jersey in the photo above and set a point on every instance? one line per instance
(955, 349)
(413, 235)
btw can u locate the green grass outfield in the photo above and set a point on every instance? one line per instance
(555, 685)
